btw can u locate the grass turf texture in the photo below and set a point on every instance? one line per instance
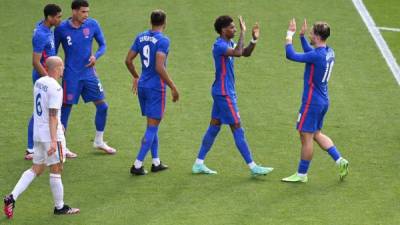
(363, 121)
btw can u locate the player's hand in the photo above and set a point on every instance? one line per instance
(52, 149)
(92, 61)
(292, 25)
(303, 28)
(256, 31)
(135, 85)
(175, 94)
(242, 24)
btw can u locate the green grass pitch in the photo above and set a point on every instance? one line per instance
(363, 121)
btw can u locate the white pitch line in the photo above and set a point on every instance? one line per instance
(377, 36)
(389, 29)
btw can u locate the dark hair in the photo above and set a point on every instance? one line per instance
(77, 4)
(51, 10)
(322, 29)
(158, 17)
(222, 22)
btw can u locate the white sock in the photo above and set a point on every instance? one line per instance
(338, 160)
(199, 161)
(156, 161)
(138, 164)
(57, 189)
(252, 165)
(99, 137)
(25, 180)
(301, 174)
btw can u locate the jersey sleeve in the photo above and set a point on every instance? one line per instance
(39, 43)
(220, 48)
(135, 45)
(163, 45)
(55, 96)
(98, 35)
(304, 44)
(308, 57)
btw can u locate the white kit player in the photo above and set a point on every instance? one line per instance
(49, 140)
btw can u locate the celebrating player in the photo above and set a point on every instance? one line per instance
(43, 47)
(315, 102)
(225, 110)
(49, 140)
(153, 47)
(80, 78)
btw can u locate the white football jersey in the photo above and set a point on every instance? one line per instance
(47, 94)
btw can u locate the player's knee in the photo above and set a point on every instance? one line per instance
(38, 170)
(56, 168)
(235, 126)
(215, 122)
(102, 107)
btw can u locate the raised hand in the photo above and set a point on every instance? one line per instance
(242, 24)
(292, 25)
(303, 28)
(256, 31)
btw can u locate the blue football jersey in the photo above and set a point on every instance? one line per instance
(318, 69)
(147, 44)
(42, 43)
(77, 45)
(224, 83)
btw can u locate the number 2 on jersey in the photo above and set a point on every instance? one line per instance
(146, 55)
(69, 40)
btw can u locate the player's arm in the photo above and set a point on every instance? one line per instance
(131, 67)
(304, 43)
(162, 72)
(99, 37)
(37, 65)
(38, 43)
(53, 123)
(57, 38)
(55, 96)
(256, 34)
(238, 50)
(291, 54)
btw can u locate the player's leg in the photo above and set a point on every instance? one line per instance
(147, 141)
(307, 125)
(152, 104)
(305, 159)
(70, 88)
(230, 115)
(29, 149)
(206, 144)
(55, 162)
(243, 147)
(157, 165)
(26, 179)
(92, 91)
(327, 144)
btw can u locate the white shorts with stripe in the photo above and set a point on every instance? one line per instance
(40, 156)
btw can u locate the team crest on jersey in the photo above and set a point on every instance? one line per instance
(70, 97)
(86, 32)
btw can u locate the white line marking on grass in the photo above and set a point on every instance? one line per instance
(389, 29)
(377, 36)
